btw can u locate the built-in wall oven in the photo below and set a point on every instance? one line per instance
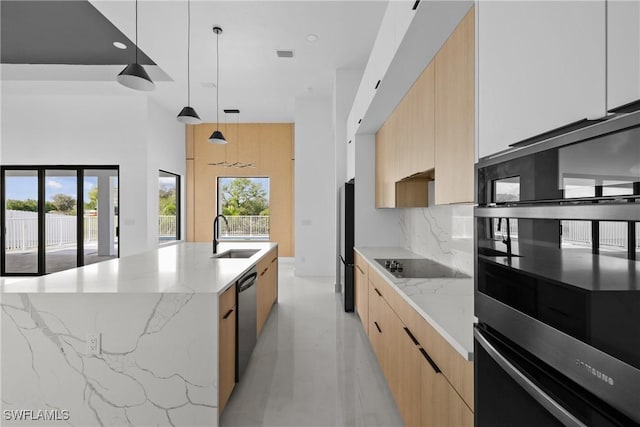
(558, 281)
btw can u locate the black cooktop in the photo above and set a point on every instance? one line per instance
(418, 268)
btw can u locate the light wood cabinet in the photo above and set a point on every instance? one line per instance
(430, 382)
(267, 292)
(440, 405)
(415, 132)
(455, 115)
(362, 291)
(385, 174)
(227, 346)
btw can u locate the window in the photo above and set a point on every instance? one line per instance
(168, 207)
(244, 201)
(57, 217)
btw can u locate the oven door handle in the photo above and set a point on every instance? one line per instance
(556, 409)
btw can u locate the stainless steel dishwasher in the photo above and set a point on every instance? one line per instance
(246, 287)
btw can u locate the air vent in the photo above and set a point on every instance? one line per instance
(284, 53)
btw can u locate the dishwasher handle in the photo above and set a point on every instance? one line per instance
(247, 281)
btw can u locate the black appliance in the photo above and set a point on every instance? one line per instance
(346, 235)
(417, 268)
(557, 281)
(246, 327)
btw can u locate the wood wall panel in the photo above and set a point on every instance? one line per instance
(269, 146)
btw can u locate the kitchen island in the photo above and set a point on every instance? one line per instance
(155, 317)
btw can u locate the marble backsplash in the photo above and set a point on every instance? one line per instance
(442, 233)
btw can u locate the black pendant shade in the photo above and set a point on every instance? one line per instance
(135, 77)
(189, 116)
(217, 138)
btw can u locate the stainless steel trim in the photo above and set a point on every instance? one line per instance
(566, 354)
(608, 212)
(612, 125)
(555, 408)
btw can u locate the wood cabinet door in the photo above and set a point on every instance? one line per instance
(455, 115)
(227, 356)
(263, 296)
(405, 375)
(440, 405)
(376, 324)
(362, 292)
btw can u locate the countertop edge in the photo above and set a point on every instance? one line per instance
(466, 354)
(254, 260)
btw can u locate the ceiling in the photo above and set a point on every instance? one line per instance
(252, 77)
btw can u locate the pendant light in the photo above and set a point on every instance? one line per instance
(134, 75)
(217, 137)
(188, 115)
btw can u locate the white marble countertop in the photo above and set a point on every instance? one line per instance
(446, 303)
(180, 268)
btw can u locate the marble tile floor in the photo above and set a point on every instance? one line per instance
(312, 366)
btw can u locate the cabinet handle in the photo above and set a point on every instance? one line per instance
(228, 313)
(415, 5)
(415, 341)
(377, 327)
(274, 260)
(430, 360)
(377, 85)
(361, 270)
(377, 291)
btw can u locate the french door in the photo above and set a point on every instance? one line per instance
(57, 217)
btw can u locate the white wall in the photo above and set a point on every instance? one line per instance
(166, 151)
(374, 227)
(315, 183)
(99, 130)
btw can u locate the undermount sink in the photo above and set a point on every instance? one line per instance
(236, 253)
(494, 252)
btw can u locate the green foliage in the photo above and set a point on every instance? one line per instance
(22, 205)
(64, 203)
(244, 197)
(167, 203)
(61, 203)
(92, 204)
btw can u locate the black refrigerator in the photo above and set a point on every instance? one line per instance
(345, 262)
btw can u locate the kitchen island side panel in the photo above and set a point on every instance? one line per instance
(158, 363)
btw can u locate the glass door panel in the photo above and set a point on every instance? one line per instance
(61, 220)
(21, 221)
(100, 215)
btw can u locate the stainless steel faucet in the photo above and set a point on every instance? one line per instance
(215, 231)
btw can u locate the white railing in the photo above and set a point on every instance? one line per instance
(167, 226)
(245, 226)
(60, 230)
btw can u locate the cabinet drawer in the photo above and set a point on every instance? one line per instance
(227, 300)
(457, 370)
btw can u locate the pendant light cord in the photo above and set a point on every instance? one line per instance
(136, 31)
(188, 53)
(217, 81)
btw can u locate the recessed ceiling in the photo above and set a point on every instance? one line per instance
(252, 77)
(62, 32)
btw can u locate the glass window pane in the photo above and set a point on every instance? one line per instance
(100, 215)
(613, 238)
(244, 201)
(168, 207)
(579, 187)
(507, 190)
(21, 221)
(61, 220)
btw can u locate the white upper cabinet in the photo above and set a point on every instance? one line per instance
(623, 54)
(541, 65)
